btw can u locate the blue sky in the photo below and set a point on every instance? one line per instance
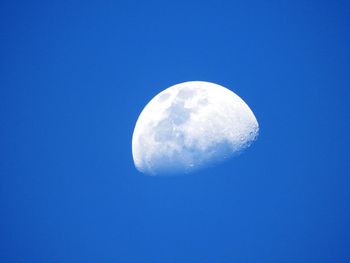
(74, 76)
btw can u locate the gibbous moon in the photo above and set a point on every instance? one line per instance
(189, 126)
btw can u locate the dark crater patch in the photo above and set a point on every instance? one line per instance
(163, 97)
(186, 93)
(167, 129)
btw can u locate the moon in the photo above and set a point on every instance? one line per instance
(189, 126)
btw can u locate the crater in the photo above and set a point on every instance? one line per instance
(163, 97)
(186, 93)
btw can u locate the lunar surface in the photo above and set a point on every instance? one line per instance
(189, 126)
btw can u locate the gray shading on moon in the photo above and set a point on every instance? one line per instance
(189, 126)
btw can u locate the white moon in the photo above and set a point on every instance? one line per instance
(191, 125)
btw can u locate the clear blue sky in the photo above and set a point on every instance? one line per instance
(74, 76)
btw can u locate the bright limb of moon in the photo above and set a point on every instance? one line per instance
(191, 125)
